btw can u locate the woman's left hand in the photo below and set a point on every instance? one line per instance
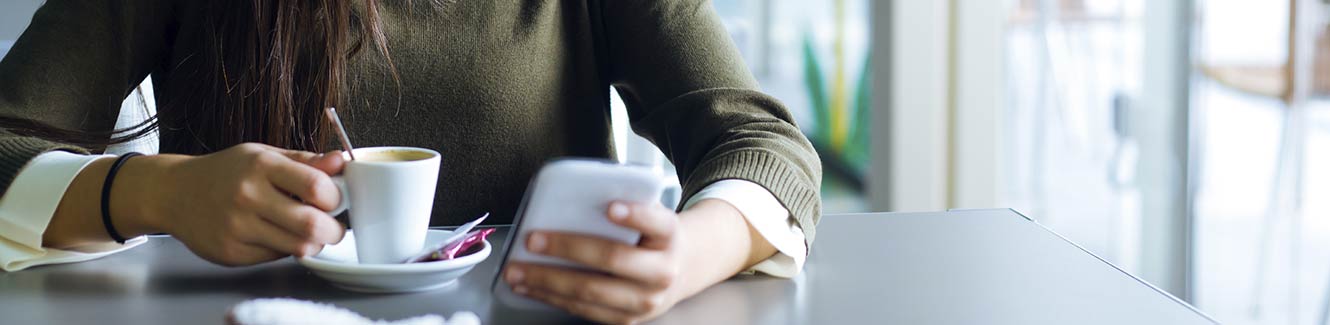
(638, 282)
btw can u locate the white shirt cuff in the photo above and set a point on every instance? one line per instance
(29, 204)
(771, 220)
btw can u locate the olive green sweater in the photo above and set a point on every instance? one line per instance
(498, 87)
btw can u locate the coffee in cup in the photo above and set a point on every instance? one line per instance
(390, 155)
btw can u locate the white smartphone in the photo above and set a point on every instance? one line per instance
(572, 195)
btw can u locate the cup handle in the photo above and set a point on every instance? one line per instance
(346, 196)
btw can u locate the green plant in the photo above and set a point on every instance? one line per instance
(840, 133)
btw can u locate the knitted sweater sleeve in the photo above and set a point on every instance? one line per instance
(688, 91)
(72, 68)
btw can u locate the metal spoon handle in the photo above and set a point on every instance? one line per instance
(341, 131)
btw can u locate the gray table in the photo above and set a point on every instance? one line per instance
(960, 267)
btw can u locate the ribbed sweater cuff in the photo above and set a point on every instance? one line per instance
(772, 172)
(16, 152)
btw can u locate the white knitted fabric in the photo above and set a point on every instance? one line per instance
(278, 311)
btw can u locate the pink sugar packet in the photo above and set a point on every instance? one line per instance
(472, 243)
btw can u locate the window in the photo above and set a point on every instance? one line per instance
(1263, 129)
(1072, 72)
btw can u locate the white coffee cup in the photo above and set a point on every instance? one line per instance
(390, 192)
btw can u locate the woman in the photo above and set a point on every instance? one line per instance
(498, 87)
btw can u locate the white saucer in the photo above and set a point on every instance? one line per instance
(338, 264)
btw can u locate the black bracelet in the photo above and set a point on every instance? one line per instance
(106, 196)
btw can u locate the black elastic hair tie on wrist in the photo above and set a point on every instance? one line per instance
(106, 196)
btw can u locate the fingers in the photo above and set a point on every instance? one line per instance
(582, 286)
(303, 221)
(300, 173)
(241, 254)
(593, 312)
(606, 255)
(330, 163)
(655, 222)
(639, 276)
(254, 254)
(246, 210)
(297, 155)
(268, 235)
(313, 186)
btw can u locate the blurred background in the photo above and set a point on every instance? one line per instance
(1178, 139)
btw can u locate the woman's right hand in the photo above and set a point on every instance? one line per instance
(252, 203)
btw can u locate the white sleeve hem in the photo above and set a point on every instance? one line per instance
(47, 256)
(29, 204)
(771, 220)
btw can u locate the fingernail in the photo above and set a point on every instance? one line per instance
(618, 211)
(521, 290)
(515, 275)
(313, 250)
(536, 242)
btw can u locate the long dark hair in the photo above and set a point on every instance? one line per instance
(272, 66)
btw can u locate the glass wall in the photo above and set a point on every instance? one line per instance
(1259, 134)
(1262, 244)
(1072, 72)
